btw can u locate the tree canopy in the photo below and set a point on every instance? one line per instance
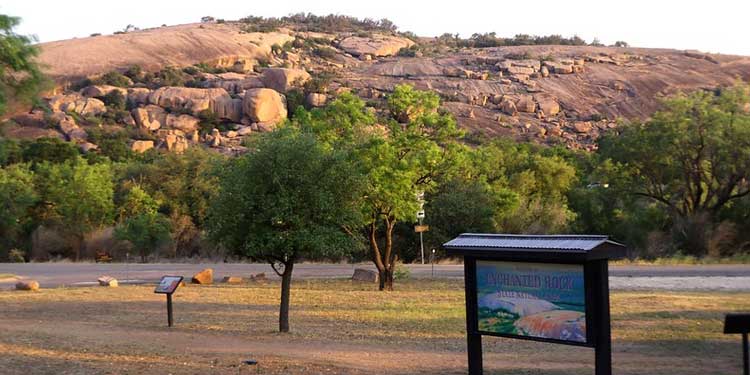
(20, 76)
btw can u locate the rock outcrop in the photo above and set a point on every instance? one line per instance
(189, 99)
(378, 45)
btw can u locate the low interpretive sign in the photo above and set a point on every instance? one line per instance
(168, 284)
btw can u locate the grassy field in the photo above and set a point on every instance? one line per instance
(338, 327)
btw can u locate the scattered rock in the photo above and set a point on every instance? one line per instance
(138, 95)
(29, 285)
(582, 126)
(215, 138)
(107, 281)
(232, 280)
(204, 277)
(361, 274)
(87, 147)
(508, 107)
(548, 105)
(258, 278)
(150, 117)
(141, 146)
(316, 100)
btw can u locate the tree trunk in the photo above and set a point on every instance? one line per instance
(78, 246)
(286, 284)
(386, 279)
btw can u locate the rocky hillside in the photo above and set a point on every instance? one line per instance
(242, 82)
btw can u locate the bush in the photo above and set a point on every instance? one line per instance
(17, 256)
(401, 272)
(113, 78)
(324, 52)
(408, 51)
(114, 100)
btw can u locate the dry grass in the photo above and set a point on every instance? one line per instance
(339, 327)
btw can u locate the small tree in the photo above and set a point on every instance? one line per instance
(78, 195)
(146, 231)
(17, 197)
(290, 199)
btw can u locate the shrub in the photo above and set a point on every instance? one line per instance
(324, 52)
(408, 51)
(16, 256)
(114, 100)
(401, 272)
(113, 78)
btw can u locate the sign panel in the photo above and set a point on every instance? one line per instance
(421, 228)
(532, 300)
(168, 284)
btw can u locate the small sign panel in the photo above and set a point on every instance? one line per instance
(421, 228)
(532, 300)
(168, 284)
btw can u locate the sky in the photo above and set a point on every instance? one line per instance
(718, 26)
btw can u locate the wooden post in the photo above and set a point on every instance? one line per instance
(169, 309)
(603, 344)
(473, 339)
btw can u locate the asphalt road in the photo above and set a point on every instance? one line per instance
(704, 277)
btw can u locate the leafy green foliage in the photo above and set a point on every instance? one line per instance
(50, 150)
(20, 76)
(113, 78)
(692, 158)
(18, 197)
(146, 232)
(78, 196)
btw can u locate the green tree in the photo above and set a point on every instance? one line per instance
(18, 198)
(137, 202)
(290, 199)
(399, 164)
(50, 150)
(692, 158)
(79, 197)
(146, 232)
(20, 76)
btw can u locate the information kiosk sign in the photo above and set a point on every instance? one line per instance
(543, 288)
(167, 285)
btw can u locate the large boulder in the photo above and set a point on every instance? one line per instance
(368, 276)
(526, 104)
(138, 95)
(548, 105)
(189, 99)
(264, 106)
(377, 45)
(229, 108)
(150, 117)
(68, 126)
(204, 277)
(185, 123)
(102, 90)
(508, 107)
(76, 103)
(284, 79)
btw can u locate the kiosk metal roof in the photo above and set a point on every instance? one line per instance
(579, 247)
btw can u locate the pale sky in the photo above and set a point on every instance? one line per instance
(718, 26)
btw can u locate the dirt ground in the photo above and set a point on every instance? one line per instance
(338, 327)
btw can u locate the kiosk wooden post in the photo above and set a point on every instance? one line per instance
(516, 277)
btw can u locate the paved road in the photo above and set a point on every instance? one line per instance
(706, 277)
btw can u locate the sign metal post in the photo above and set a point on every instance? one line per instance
(168, 285)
